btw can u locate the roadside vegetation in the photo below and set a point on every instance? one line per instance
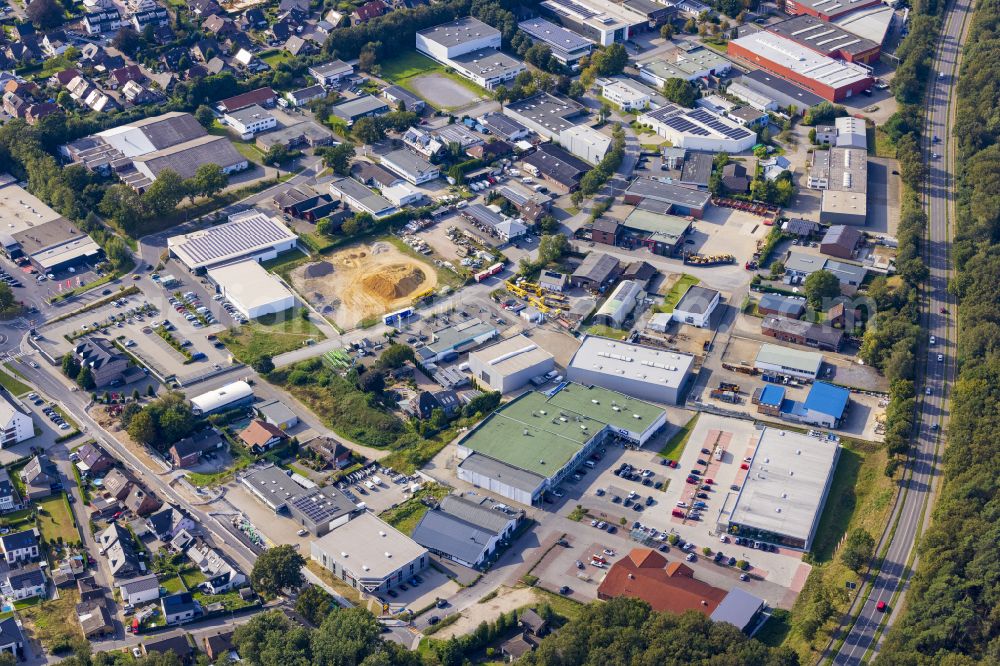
(950, 614)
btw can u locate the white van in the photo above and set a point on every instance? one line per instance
(589, 463)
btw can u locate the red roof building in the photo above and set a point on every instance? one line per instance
(645, 574)
(262, 96)
(827, 10)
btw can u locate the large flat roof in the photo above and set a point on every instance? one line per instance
(539, 434)
(801, 60)
(687, 64)
(601, 14)
(512, 355)
(371, 545)
(669, 227)
(245, 234)
(636, 362)
(20, 210)
(458, 32)
(821, 36)
(648, 188)
(760, 80)
(488, 62)
(798, 359)
(870, 23)
(547, 110)
(786, 483)
(249, 283)
(558, 38)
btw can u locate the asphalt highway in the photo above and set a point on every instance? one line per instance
(913, 508)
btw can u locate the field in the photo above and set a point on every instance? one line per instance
(363, 281)
(438, 85)
(271, 334)
(55, 519)
(49, 622)
(607, 332)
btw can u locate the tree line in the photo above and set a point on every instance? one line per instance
(951, 607)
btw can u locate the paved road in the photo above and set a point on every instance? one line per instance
(863, 639)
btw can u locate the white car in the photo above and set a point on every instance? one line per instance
(940, 358)
(928, 390)
(933, 340)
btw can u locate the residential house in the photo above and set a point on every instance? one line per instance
(55, 43)
(204, 8)
(92, 459)
(167, 522)
(220, 576)
(295, 46)
(252, 19)
(206, 49)
(368, 11)
(157, 17)
(303, 96)
(119, 548)
(176, 642)
(141, 589)
(103, 507)
(36, 112)
(219, 26)
(331, 452)
(21, 584)
(188, 451)
(141, 502)
(119, 77)
(11, 638)
(9, 499)
(533, 628)
(331, 73)
(218, 643)
(260, 436)
(179, 608)
(40, 477)
(735, 177)
(94, 618)
(118, 484)
(14, 105)
(88, 588)
(20, 547)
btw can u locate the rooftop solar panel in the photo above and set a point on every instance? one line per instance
(577, 9)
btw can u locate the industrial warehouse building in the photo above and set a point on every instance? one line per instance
(827, 10)
(545, 114)
(670, 198)
(619, 305)
(787, 361)
(585, 142)
(567, 47)
(646, 373)
(602, 21)
(833, 80)
(699, 129)
(827, 39)
(532, 443)
(369, 554)
(251, 289)
(231, 396)
(696, 306)
(247, 235)
(510, 364)
(472, 48)
(466, 531)
(782, 499)
(316, 509)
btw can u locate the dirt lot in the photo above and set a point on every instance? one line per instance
(442, 92)
(363, 281)
(507, 599)
(437, 237)
(727, 231)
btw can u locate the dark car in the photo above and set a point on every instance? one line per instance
(706, 452)
(702, 495)
(392, 593)
(434, 620)
(649, 501)
(564, 590)
(612, 529)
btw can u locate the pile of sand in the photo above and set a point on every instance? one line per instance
(351, 260)
(394, 281)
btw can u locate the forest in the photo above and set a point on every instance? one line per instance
(951, 614)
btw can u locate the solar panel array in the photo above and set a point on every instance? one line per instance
(713, 122)
(234, 238)
(682, 124)
(319, 505)
(577, 9)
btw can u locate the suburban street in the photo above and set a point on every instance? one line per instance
(913, 506)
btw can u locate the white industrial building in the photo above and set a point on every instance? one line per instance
(445, 41)
(566, 46)
(251, 289)
(699, 129)
(359, 197)
(625, 95)
(510, 364)
(646, 373)
(696, 306)
(786, 486)
(415, 169)
(369, 554)
(757, 100)
(586, 143)
(250, 121)
(402, 194)
(619, 304)
(230, 396)
(16, 425)
(248, 235)
(472, 48)
(788, 361)
(603, 21)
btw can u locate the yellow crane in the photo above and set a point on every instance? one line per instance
(514, 289)
(537, 302)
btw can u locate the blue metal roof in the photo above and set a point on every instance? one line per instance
(772, 395)
(827, 399)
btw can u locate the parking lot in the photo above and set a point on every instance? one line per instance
(655, 520)
(726, 231)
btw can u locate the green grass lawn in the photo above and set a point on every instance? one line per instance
(273, 334)
(55, 519)
(411, 64)
(406, 516)
(607, 332)
(66, 417)
(172, 584)
(249, 151)
(675, 447)
(676, 292)
(192, 578)
(11, 382)
(275, 57)
(17, 520)
(49, 622)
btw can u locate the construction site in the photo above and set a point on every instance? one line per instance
(362, 282)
